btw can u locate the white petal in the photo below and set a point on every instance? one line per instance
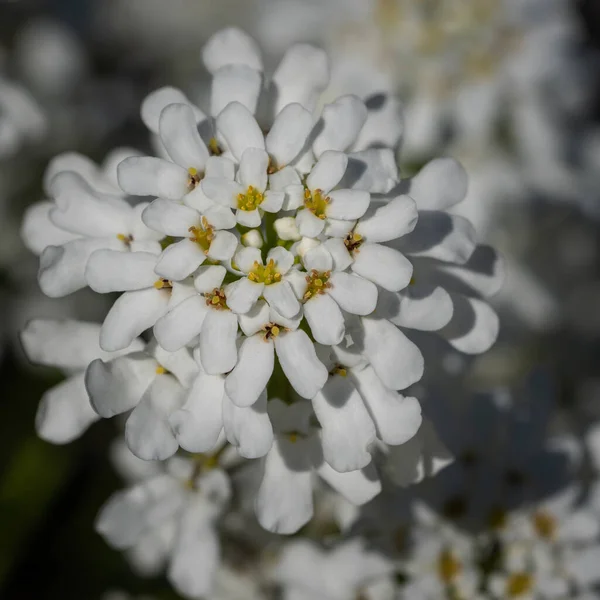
(147, 176)
(170, 217)
(373, 170)
(130, 315)
(283, 178)
(354, 294)
(347, 205)
(328, 171)
(223, 246)
(220, 167)
(396, 417)
(181, 364)
(325, 319)
(337, 228)
(421, 306)
(209, 277)
(180, 137)
(253, 169)
(231, 46)
(64, 412)
(358, 487)
(342, 122)
(284, 499)
(282, 298)
(289, 133)
(382, 265)
(309, 225)
(438, 235)
(245, 258)
(301, 76)
(181, 324)
(239, 129)
(474, 326)
(62, 268)
(341, 257)
(218, 351)
(282, 257)
(255, 319)
(116, 386)
(243, 294)
(273, 201)
(154, 103)
(252, 372)
(235, 83)
(396, 360)
(439, 185)
(220, 190)
(392, 220)
(147, 432)
(67, 344)
(294, 196)
(385, 122)
(196, 537)
(198, 423)
(249, 429)
(299, 362)
(180, 260)
(347, 430)
(318, 259)
(248, 218)
(112, 271)
(38, 231)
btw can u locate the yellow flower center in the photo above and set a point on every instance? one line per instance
(125, 238)
(272, 330)
(160, 370)
(353, 241)
(545, 525)
(214, 148)
(203, 236)
(448, 566)
(318, 283)
(163, 284)
(251, 200)
(316, 202)
(193, 178)
(217, 299)
(339, 370)
(266, 274)
(519, 584)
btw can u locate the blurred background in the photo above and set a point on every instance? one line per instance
(514, 95)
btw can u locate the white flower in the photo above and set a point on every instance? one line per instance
(284, 500)
(65, 412)
(347, 571)
(268, 280)
(86, 215)
(150, 383)
(204, 236)
(21, 119)
(170, 518)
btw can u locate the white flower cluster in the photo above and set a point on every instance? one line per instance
(272, 289)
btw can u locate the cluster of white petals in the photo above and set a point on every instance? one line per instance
(275, 274)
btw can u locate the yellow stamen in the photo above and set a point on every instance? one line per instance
(545, 525)
(353, 241)
(163, 284)
(339, 370)
(317, 283)
(316, 202)
(448, 566)
(251, 200)
(216, 299)
(160, 370)
(519, 584)
(203, 236)
(267, 274)
(293, 437)
(193, 178)
(126, 239)
(214, 148)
